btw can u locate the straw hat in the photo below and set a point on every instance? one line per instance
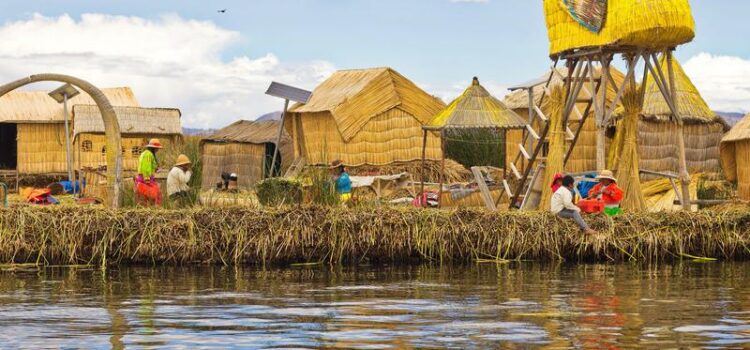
(606, 174)
(182, 160)
(336, 163)
(154, 143)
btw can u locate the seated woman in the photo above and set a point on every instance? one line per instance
(562, 205)
(608, 191)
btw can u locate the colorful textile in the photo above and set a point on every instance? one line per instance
(147, 164)
(589, 13)
(343, 183)
(148, 193)
(611, 195)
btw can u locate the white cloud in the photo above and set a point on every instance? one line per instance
(724, 81)
(169, 62)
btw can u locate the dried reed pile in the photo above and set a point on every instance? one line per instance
(626, 159)
(67, 235)
(556, 156)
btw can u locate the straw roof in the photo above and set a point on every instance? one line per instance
(245, 131)
(575, 24)
(690, 103)
(519, 99)
(354, 97)
(476, 108)
(37, 107)
(740, 132)
(133, 120)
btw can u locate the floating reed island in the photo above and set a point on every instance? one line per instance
(69, 235)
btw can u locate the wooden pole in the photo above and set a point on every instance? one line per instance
(422, 202)
(684, 174)
(442, 170)
(277, 146)
(530, 140)
(601, 143)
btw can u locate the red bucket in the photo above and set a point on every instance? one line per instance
(591, 206)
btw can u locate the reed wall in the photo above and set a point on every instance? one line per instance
(245, 159)
(394, 136)
(657, 146)
(91, 150)
(41, 148)
(742, 149)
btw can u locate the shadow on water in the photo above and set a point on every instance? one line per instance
(520, 305)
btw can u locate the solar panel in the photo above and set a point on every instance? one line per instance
(287, 92)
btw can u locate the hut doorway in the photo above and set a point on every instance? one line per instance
(8, 146)
(267, 171)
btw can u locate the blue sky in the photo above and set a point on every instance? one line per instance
(440, 44)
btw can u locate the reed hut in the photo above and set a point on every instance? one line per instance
(476, 109)
(246, 148)
(137, 126)
(364, 117)
(577, 24)
(583, 157)
(735, 157)
(657, 130)
(32, 129)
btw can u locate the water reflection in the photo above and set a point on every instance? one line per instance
(507, 306)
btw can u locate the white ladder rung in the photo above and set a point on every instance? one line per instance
(523, 151)
(540, 114)
(515, 171)
(532, 132)
(569, 134)
(506, 186)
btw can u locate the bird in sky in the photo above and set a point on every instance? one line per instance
(222, 11)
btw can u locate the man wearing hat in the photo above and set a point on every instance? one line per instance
(178, 189)
(608, 191)
(147, 190)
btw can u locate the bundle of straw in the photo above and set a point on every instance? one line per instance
(556, 156)
(626, 161)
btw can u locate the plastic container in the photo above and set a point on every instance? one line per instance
(591, 206)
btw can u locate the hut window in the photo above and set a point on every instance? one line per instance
(104, 149)
(87, 146)
(135, 151)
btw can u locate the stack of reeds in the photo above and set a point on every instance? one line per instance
(73, 235)
(556, 156)
(626, 162)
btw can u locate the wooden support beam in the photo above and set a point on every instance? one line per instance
(682, 157)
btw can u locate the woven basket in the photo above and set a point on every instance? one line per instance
(634, 23)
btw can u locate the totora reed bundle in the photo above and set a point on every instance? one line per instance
(556, 156)
(70, 235)
(626, 161)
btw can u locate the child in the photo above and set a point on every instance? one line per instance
(341, 181)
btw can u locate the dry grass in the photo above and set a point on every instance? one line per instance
(66, 235)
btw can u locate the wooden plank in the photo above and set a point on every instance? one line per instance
(523, 151)
(569, 136)
(506, 186)
(515, 171)
(540, 114)
(532, 132)
(483, 189)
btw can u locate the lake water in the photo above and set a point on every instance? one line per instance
(512, 306)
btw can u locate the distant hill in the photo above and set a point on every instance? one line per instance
(730, 117)
(197, 132)
(269, 116)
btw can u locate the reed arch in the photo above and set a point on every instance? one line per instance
(111, 126)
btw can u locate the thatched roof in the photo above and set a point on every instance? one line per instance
(476, 108)
(133, 120)
(519, 99)
(741, 131)
(353, 97)
(245, 131)
(37, 107)
(690, 103)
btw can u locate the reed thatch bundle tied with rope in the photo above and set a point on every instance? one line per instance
(625, 160)
(575, 24)
(556, 156)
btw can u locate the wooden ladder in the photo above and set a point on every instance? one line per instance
(532, 161)
(296, 168)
